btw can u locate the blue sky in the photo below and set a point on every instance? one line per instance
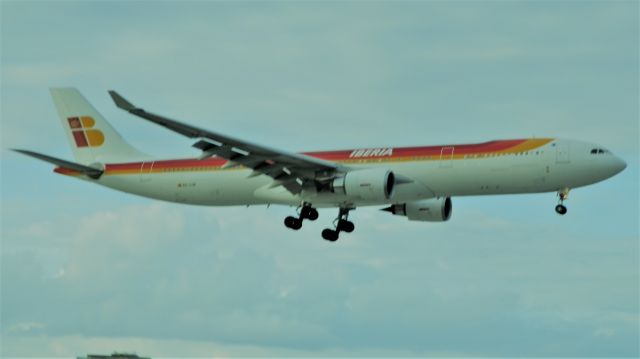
(86, 269)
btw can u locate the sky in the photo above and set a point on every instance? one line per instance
(86, 269)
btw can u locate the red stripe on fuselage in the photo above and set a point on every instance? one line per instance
(159, 164)
(341, 155)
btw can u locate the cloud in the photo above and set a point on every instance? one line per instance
(75, 345)
(160, 272)
(84, 267)
(272, 75)
(42, 75)
(25, 327)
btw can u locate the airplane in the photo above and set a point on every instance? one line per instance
(413, 182)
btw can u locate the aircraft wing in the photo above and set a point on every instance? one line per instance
(290, 170)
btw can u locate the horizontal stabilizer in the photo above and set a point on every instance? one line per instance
(92, 172)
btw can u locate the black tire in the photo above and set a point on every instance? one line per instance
(293, 223)
(312, 215)
(346, 226)
(309, 213)
(297, 224)
(330, 235)
(288, 222)
(561, 209)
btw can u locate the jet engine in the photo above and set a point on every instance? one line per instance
(369, 184)
(428, 210)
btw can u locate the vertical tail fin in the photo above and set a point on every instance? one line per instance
(91, 137)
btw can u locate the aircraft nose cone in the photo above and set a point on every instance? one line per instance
(618, 165)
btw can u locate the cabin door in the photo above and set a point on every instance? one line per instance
(145, 171)
(446, 157)
(562, 153)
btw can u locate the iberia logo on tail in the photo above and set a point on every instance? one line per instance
(83, 132)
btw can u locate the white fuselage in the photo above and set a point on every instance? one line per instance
(553, 166)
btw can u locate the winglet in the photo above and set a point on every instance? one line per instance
(121, 102)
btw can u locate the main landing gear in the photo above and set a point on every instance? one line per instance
(341, 223)
(306, 212)
(560, 208)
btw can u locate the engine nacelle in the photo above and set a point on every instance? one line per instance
(428, 210)
(369, 184)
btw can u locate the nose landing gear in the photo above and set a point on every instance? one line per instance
(342, 224)
(306, 212)
(562, 195)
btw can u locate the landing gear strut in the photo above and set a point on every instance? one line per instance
(306, 212)
(342, 224)
(562, 195)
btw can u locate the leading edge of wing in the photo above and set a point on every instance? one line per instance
(196, 132)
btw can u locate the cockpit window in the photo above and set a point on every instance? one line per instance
(594, 151)
(597, 151)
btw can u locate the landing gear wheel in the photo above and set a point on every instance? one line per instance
(345, 226)
(309, 213)
(313, 214)
(330, 235)
(293, 223)
(306, 212)
(342, 224)
(561, 209)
